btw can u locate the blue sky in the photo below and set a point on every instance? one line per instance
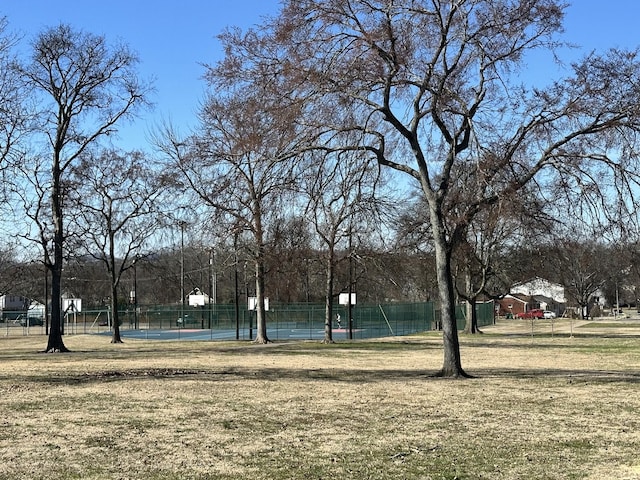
(173, 38)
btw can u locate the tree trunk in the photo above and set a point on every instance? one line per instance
(55, 343)
(471, 324)
(115, 315)
(328, 301)
(261, 320)
(115, 281)
(469, 306)
(452, 365)
(468, 317)
(474, 320)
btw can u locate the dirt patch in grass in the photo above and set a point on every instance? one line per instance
(539, 407)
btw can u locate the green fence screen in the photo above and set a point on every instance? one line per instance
(284, 321)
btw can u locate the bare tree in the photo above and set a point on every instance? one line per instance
(432, 85)
(240, 165)
(475, 259)
(339, 193)
(116, 196)
(11, 270)
(83, 87)
(291, 259)
(582, 268)
(14, 114)
(475, 268)
(11, 120)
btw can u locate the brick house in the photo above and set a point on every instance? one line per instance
(536, 293)
(513, 304)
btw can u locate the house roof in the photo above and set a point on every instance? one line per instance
(518, 297)
(537, 281)
(541, 288)
(543, 299)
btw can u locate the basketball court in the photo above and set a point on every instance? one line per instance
(230, 334)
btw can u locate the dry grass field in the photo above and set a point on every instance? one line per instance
(543, 405)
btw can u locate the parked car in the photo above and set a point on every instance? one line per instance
(549, 314)
(533, 313)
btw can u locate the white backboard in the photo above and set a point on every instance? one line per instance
(253, 302)
(71, 305)
(343, 299)
(196, 300)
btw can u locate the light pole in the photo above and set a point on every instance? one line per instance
(307, 280)
(135, 292)
(235, 278)
(182, 224)
(211, 287)
(213, 279)
(46, 297)
(246, 287)
(349, 302)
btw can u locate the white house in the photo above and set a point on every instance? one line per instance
(35, 310)
(12, 305)
(541, 287)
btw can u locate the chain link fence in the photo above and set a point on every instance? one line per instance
(284, 321)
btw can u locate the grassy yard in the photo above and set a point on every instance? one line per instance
(557, 401)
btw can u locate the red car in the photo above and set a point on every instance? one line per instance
(533, 313)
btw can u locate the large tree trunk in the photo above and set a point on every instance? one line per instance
(261, 320)
(328, 301)
(115, 315)
(452, 365)
(55, 343)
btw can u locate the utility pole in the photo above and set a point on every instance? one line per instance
(135, 292)
(350, 304)
(235, 274)
(211, 286)
(182, 225)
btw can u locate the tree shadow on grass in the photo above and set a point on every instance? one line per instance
(571, 375)
(350, 376)
(166, 349)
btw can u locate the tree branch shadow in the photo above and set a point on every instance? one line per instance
(343, 375)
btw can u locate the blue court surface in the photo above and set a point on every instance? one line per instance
(230, 334)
